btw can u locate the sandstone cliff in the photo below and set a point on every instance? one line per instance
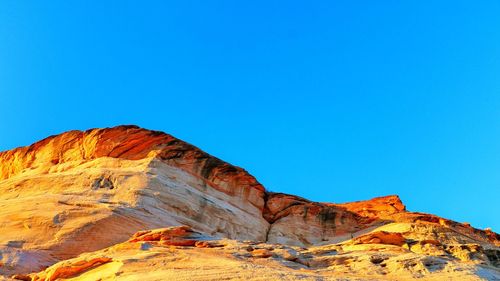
(80, 192)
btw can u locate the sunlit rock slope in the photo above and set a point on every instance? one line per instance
(70, 203)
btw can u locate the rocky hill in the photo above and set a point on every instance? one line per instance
(126, 203)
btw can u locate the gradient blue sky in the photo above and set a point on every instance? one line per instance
(332, 100)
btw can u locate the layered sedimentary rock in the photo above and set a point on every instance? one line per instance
(378, 208)
(178, 253)
(80, 192)
(298, 221)
(130, 143)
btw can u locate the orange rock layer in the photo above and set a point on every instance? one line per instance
(69, 271)
(130, 143)
(172, 236)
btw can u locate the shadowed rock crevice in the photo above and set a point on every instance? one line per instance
(102, 183)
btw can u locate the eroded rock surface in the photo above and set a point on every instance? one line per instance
(67, 198)
(172, 236)
(379, 255)
(83, 191)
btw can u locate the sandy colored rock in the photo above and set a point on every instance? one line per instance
(381, 237)
(233, 261)
(261, 253)
(68, 270)
(172, 236)
(297, 221)
(83, 191)
(162, 209)
(377, 207)
(130, 143)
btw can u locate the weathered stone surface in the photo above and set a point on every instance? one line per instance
(83, 191)
(377, 207)
(298, 221)
(130, 143)
(66, 270)
(381, 237)
(261, 253)
(237, 260)
(172, 236)
(80, 192)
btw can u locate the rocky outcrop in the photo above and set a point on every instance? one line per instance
(66, 270)
(298, 221)
(172, 236)
(79, 192)
(379, 207)
(378, 255)
(381, 237)
(83, 191)
(130, 143)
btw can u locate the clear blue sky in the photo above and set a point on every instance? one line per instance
(333, 102)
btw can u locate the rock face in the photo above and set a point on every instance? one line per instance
(379, 207)
(172, 236)
(380, 255)
(297, 221)
(130, 143)
(80, 192)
